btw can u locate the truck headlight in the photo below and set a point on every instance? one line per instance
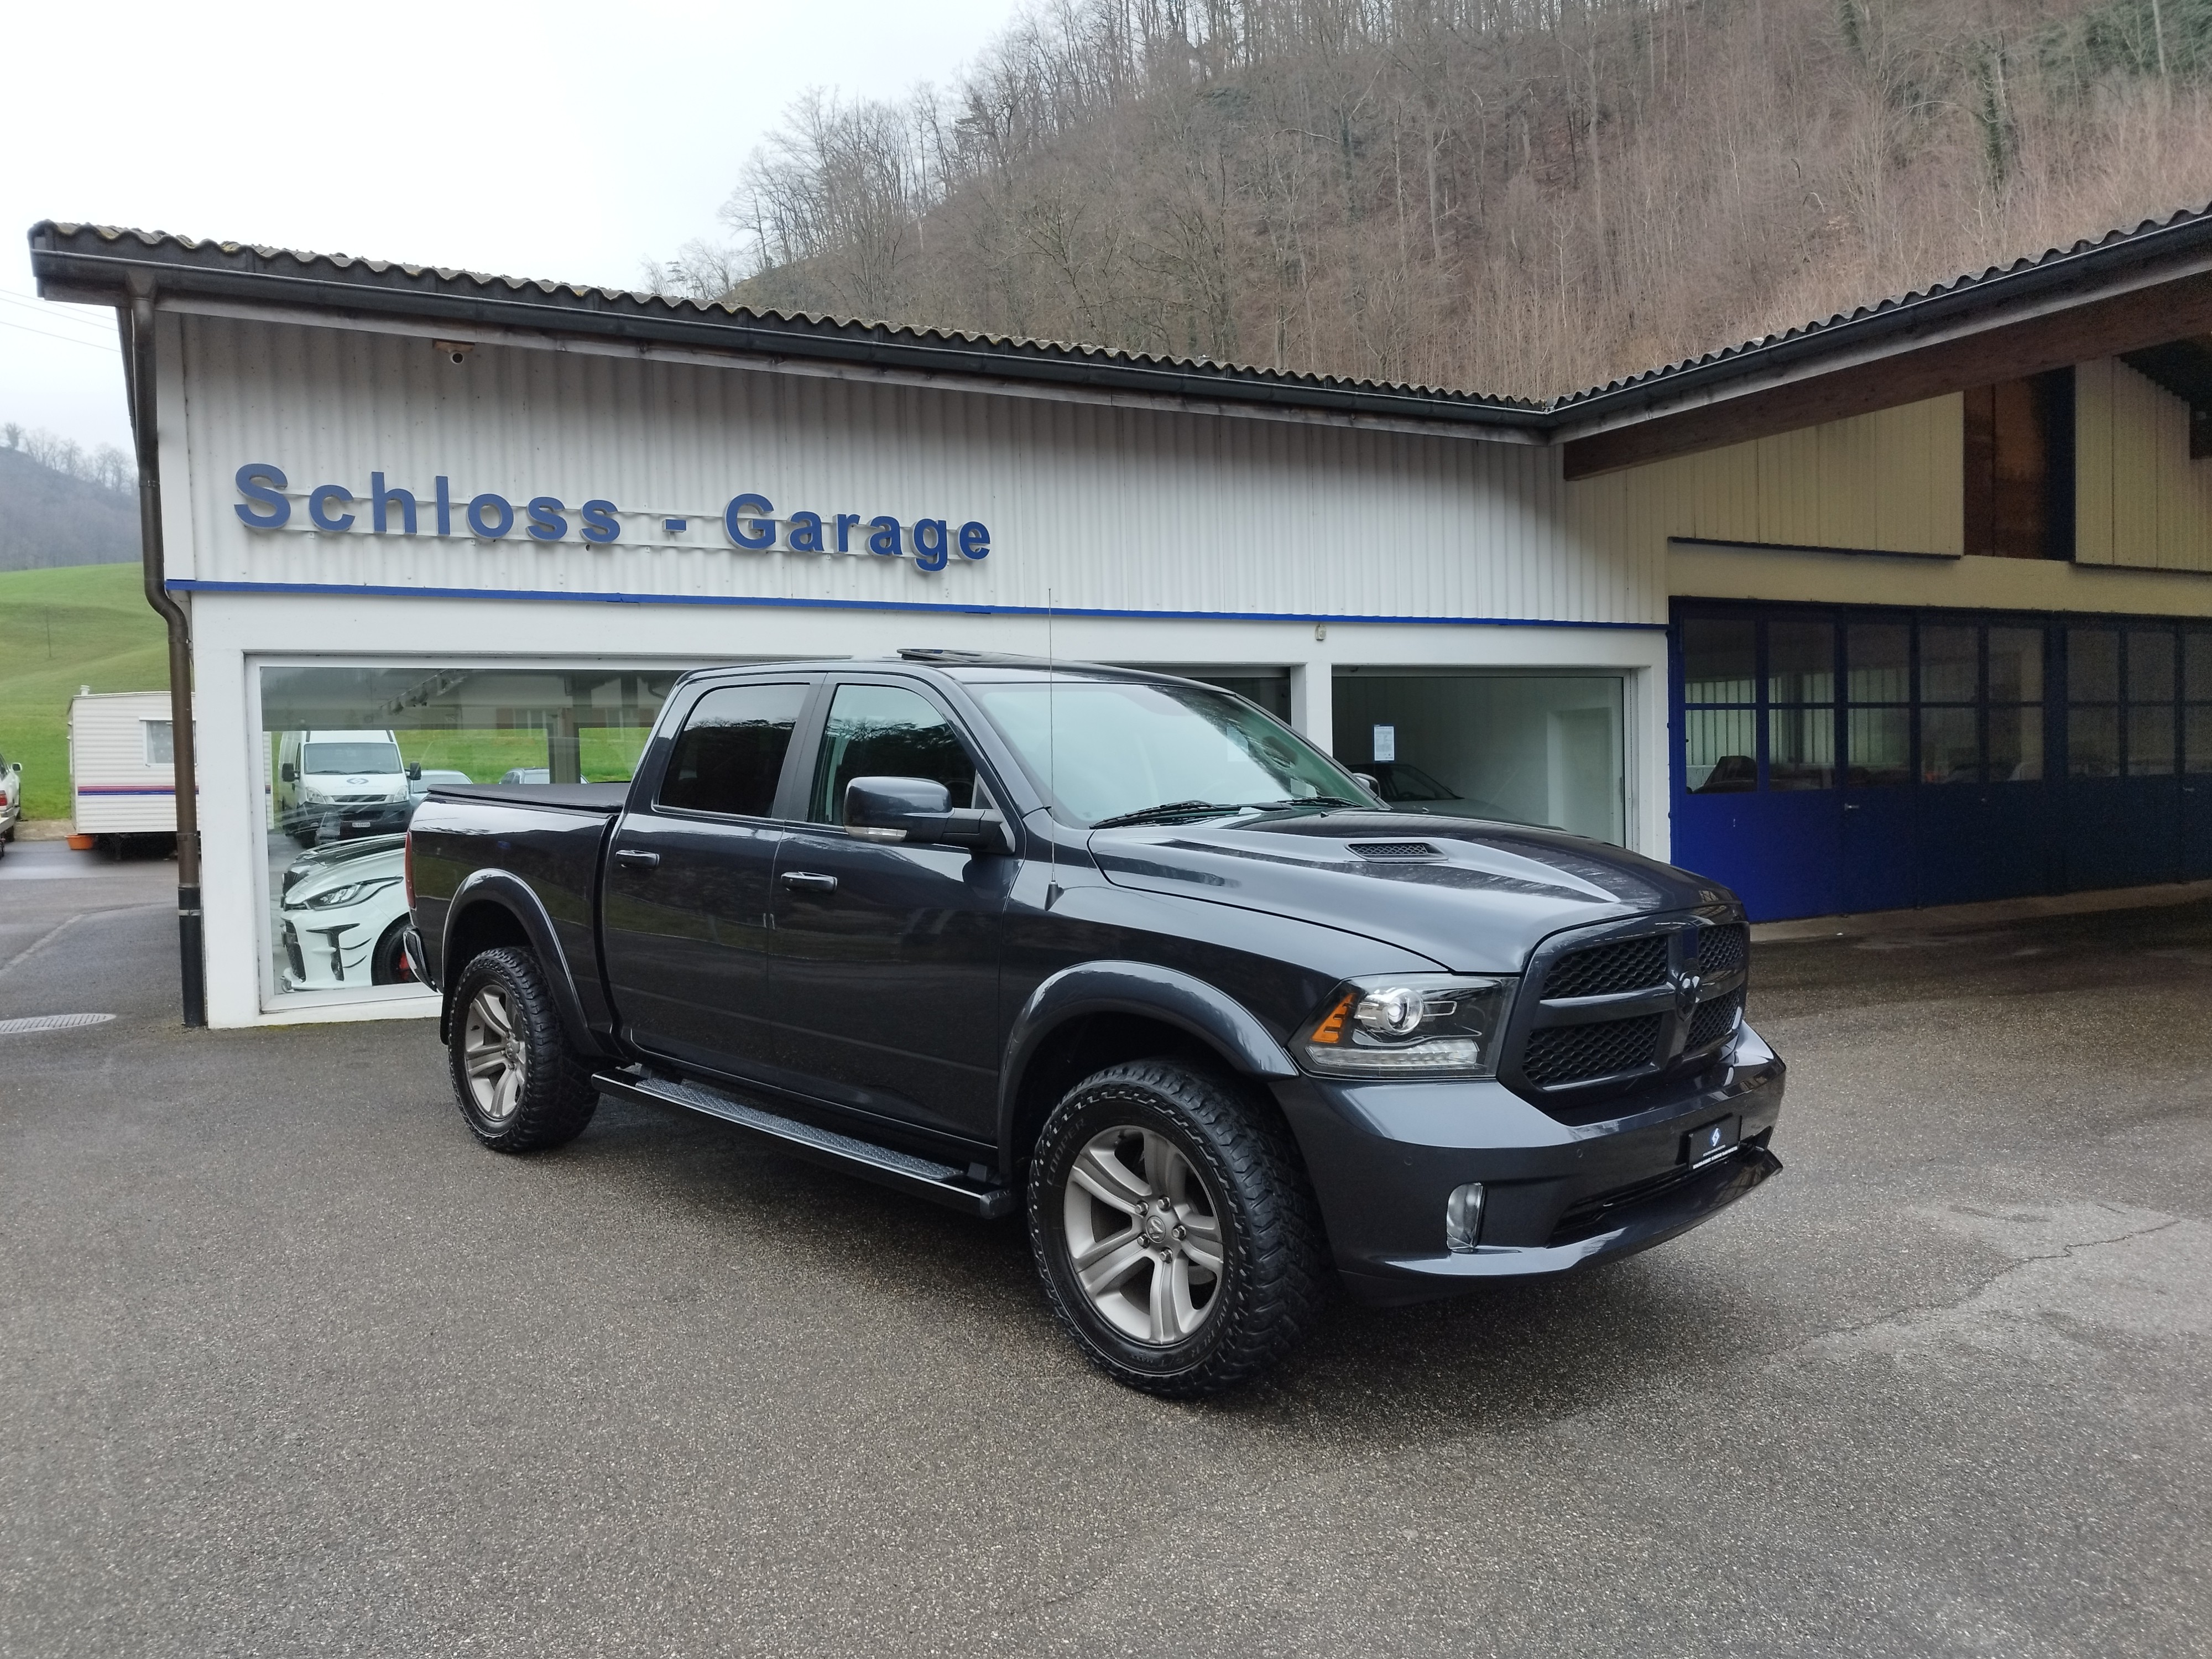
(1409, 1025)
(352, 893)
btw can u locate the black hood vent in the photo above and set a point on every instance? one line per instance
(1394, 849)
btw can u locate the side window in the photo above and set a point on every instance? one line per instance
(886, 731)
(730, 754)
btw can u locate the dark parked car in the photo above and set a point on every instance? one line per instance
(1123, 954)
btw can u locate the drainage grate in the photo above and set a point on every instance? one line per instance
(51, 1022)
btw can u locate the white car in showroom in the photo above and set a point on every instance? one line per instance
(11, 801)
(342, 915)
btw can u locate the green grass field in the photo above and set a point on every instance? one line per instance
(86, 624)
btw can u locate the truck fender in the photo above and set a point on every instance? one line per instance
(507, 892)
(1167, 994)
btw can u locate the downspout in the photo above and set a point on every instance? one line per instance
(136, 323)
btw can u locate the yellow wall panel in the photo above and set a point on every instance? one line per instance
(2139, 500)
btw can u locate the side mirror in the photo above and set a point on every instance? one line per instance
(289, 773)
(914, 809)
(1370, 783)
(415, 772)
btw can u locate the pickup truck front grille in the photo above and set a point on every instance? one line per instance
(1613, 1013)
(1723, 949)
(1571, 1053)
(1628, 964)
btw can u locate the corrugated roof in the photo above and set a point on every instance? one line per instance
(72, 256)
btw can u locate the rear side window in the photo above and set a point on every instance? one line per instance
(886, 731)
(730, 753)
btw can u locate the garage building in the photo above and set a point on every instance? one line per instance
(1907, 607)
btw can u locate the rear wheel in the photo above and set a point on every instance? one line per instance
(1174, 1229)
(520, 1087)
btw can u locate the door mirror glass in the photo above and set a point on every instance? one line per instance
(918, 810)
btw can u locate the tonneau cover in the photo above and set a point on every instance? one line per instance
(570, 797)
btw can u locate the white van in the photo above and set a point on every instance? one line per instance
(333, 785)
(122, 773)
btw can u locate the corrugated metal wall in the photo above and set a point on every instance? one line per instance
(1889, 482)
(1111, 508)
(2140, 500)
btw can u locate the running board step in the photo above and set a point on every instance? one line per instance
(884, 1166)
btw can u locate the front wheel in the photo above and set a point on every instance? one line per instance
(521, 1087)
(1174, 1229)
(388, 963)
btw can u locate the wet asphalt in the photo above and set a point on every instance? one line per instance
(288, 1366)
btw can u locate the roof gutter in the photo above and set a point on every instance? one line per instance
(91, 275)
(134, 321)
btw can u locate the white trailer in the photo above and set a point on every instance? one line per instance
(122, 764)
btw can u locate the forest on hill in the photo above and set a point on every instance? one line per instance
(1521, 197)
(61, 504)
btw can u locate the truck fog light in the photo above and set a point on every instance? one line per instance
(1463, 1217)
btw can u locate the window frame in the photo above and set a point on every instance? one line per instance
(810, 687)
(795, 802)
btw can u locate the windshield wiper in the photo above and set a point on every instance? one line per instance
(1174, 809)
(1311, 800)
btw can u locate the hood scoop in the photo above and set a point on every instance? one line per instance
(1394, 849)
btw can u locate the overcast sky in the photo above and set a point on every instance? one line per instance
(559, 140)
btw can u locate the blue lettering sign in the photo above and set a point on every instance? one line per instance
(600, 525)
(751, 519)
(764, 529)
(546, 524)
(495, 509)
(380, 498)
(323, 493)
(258, 481)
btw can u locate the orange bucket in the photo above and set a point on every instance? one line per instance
(82, 843)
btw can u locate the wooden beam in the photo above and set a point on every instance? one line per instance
(1907, 374)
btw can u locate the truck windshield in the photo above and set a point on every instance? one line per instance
(351, 757)
(1106, 749)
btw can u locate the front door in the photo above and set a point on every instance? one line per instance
(884, 973)
(687, 901)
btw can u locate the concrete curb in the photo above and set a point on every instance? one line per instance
(1940, 918)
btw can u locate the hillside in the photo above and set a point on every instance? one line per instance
(1514, 196)
(48, 518)
(89, 625)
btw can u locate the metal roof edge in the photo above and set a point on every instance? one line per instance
(2184, 238)
(2155, 250)
(435, 296)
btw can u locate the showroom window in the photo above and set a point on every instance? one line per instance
(1525, 748)
(346, 754)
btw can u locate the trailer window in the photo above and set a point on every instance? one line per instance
(161, 743)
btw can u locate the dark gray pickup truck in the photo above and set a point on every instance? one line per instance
(1120, 952)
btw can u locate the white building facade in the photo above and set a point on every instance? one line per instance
(490, 523)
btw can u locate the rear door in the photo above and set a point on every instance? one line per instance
(884, 960)
(686, 907)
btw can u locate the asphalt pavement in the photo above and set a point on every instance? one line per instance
(288, 1366)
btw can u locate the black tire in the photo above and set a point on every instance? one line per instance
(388, 963)
(1266, 1229)
(551, 1098)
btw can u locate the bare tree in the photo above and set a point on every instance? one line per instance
(1521, 196)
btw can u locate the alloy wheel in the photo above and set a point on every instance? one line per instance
(494, 1056)
(1144, 1236)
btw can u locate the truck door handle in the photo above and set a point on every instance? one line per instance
(805, 881)
(637, 858)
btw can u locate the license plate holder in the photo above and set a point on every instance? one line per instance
(1712, 1141)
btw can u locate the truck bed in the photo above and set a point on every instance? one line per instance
(606, 798)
